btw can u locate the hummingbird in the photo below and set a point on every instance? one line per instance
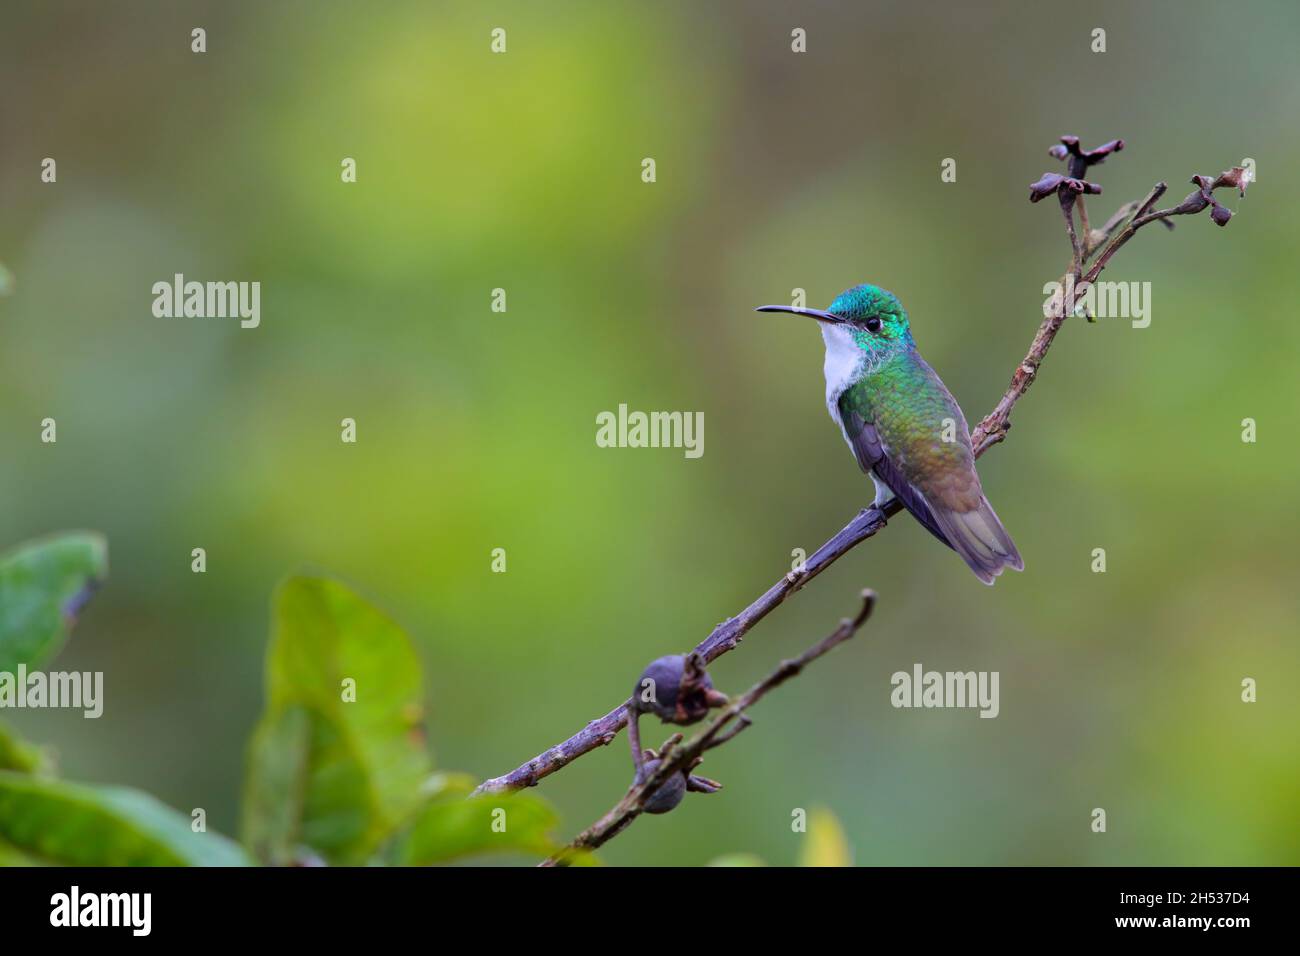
(904, 427)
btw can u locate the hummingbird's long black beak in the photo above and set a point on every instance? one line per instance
(818, 314)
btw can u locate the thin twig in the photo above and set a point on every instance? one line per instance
(1076, 248)
(634, 740)
(676, 758)
(1093, 240)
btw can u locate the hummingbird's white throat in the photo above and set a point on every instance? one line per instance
(845, 364)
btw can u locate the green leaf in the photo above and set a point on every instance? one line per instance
(50, 821)
(17, 754)
(825, 844)
(450, 824)
(43, 585)
(325, 773)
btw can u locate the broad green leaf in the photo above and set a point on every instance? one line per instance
(331, 775)
(43, 586)
(50, 821)
(825, 843)
(737, 859)
(17, 754)
(450, 824)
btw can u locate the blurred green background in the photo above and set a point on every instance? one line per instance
(476, 429)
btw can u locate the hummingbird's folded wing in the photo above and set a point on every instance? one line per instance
(873, 459)
(975, 533)
(934, 479)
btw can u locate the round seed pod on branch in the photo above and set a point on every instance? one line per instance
(678, 689)
(669, 794)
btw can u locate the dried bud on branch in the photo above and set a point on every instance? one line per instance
(1238, 178)
(1080, 160)
(1066, 186)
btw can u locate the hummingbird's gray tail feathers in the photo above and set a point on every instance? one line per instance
(978, 536)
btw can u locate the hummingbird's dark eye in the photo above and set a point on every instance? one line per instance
(873, 324)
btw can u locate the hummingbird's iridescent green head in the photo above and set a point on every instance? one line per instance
(872, 319)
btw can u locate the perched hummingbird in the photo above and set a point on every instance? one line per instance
(896, 414)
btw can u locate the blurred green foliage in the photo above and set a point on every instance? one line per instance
(826, 844)
(451, 825)
(47, 821)
(338, 770)
(18, 754)
(476, 429)
(42, 587)
(339, 756)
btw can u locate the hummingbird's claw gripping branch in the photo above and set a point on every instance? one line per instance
(661, 782)
(1100, 243)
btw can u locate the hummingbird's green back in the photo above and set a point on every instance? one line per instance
(913, 413)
